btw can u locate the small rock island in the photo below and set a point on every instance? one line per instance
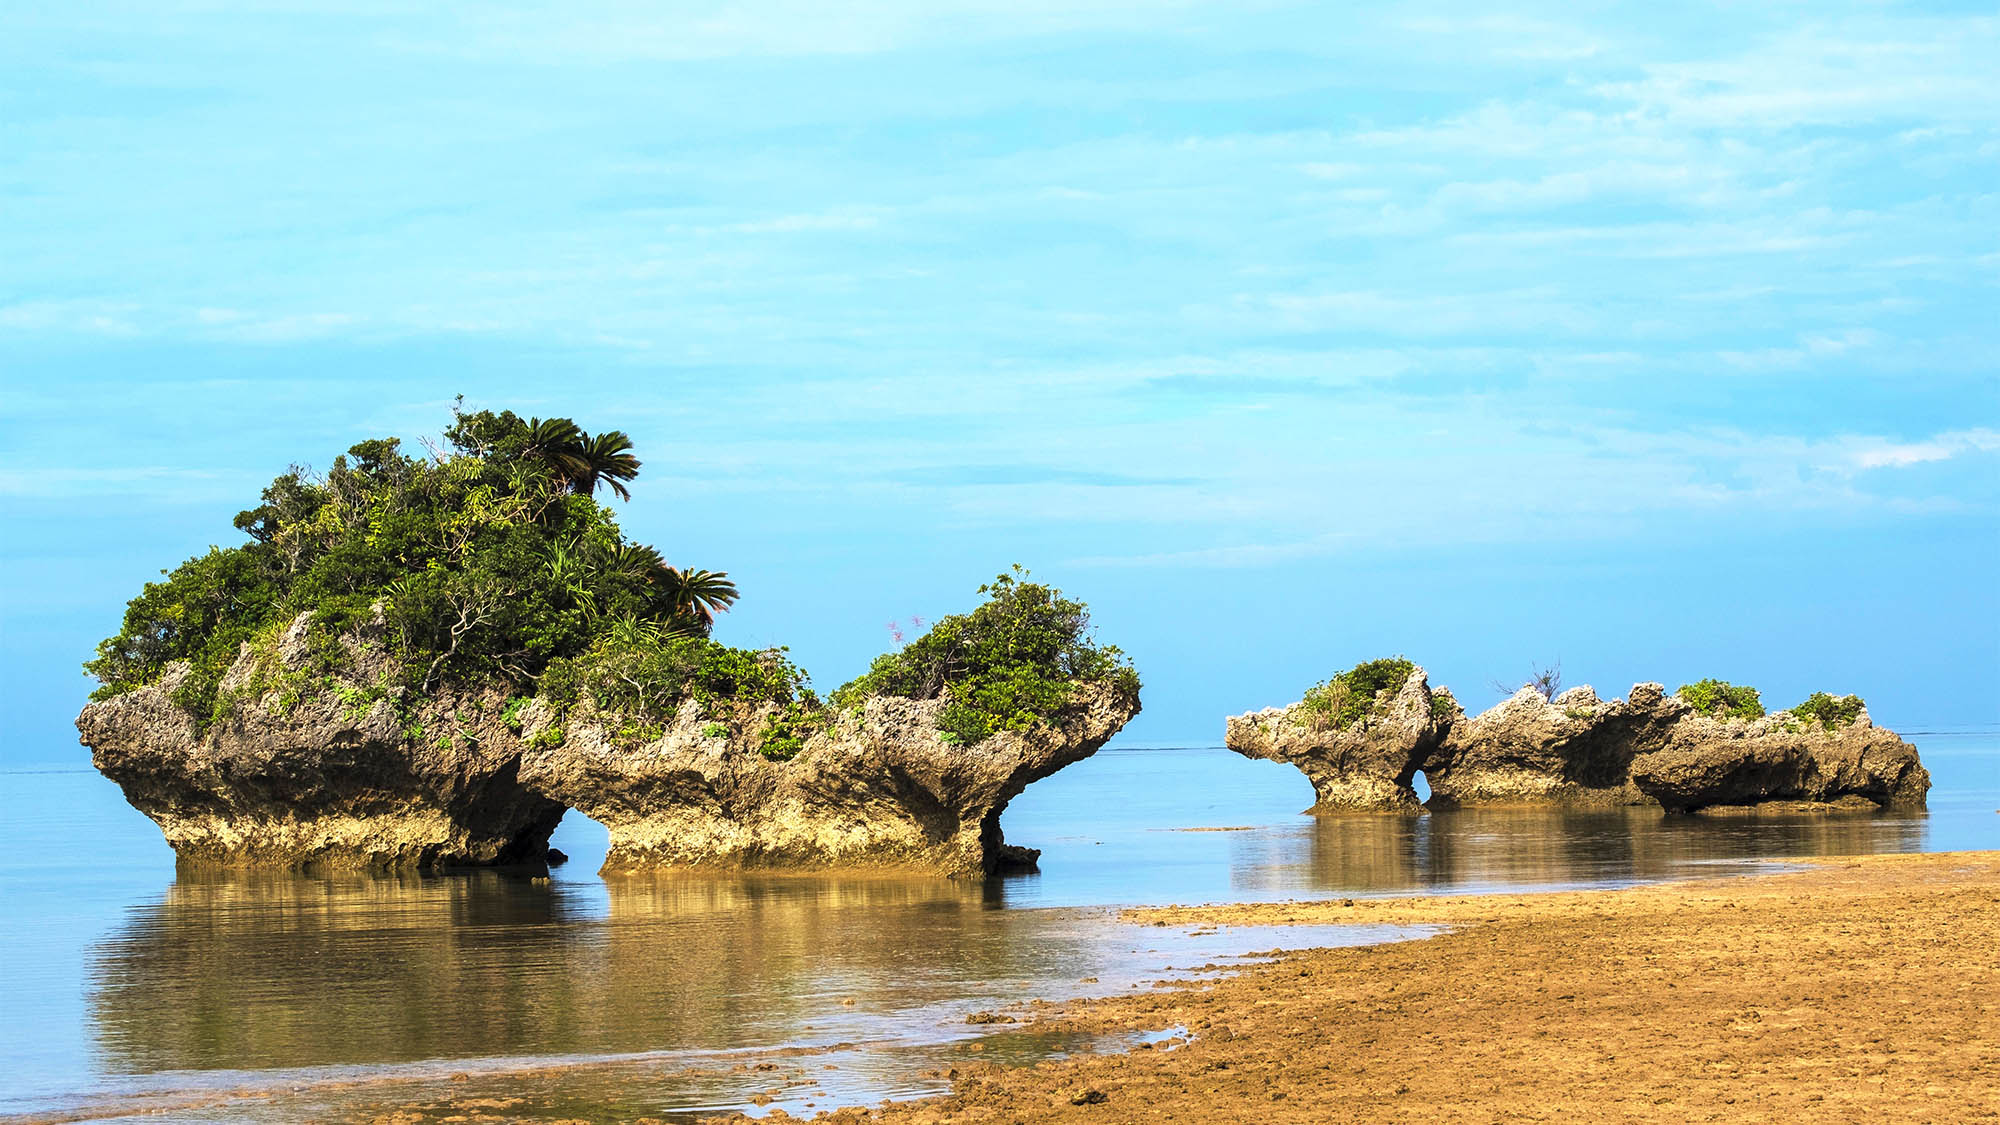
(908, 767)
(424, 662)
(1364, 735)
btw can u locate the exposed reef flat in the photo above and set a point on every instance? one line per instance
(1576, 750)
(306, 770)
(879, 787)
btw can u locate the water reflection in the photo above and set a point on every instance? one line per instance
(248, 971)
(241, 972)
(1483, 849)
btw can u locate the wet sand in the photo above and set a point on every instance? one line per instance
(1857, 989)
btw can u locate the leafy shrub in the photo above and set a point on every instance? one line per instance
(485, 561)
(1011, 664)
(638, 682)
(1830, 710)
(786, 732)
(203, 613)
(647, 678)
(1346, 698)
(1722, 699)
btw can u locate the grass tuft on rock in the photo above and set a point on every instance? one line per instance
(1722, 699)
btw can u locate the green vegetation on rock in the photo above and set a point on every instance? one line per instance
(1830, 710)
(1011, 664)
(486, 561)
(647, 679)
(490, 563)
(642, 677)
(785, 732)
(1722, 699)
(1346, 698)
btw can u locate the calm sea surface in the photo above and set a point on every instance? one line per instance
(130, 991)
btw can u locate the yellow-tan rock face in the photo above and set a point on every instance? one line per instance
(1649, 749)
(883, 789)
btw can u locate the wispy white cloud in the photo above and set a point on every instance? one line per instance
(1232, 557)
(790, 224)
(132, 320)
(1421, 315)
(1809, 348)
(87, 318)
(1877, 453)
(606, 30)
(1861, 70)
(150, 480)
(1514, 36)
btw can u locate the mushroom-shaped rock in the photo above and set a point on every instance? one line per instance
(1714, 762)
(320, 770)
(883, 788)
(1361, 756)
(1574, 750)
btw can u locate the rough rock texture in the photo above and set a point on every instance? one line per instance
(1778, 760)
(1575, 751)
(1366, 767)
(883, 790)
(345, 782)
(1579, 751)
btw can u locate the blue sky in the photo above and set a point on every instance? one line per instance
(1657, 339)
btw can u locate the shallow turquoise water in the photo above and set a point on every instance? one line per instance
(129, 988)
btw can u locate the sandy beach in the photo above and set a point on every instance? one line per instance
(1856, 989)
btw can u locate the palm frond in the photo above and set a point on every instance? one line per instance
(702, 593)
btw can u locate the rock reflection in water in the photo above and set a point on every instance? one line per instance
(766, 960)
(246, 972)
(1471, 849)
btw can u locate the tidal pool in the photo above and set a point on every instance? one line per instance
(134, 991)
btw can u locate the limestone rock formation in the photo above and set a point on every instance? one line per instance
(322, 770)
(1713, 764)
(883, 789)
(1368, 765)
(1575, 750)
(1650, 749)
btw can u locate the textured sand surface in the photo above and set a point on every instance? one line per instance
(1863, 989)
